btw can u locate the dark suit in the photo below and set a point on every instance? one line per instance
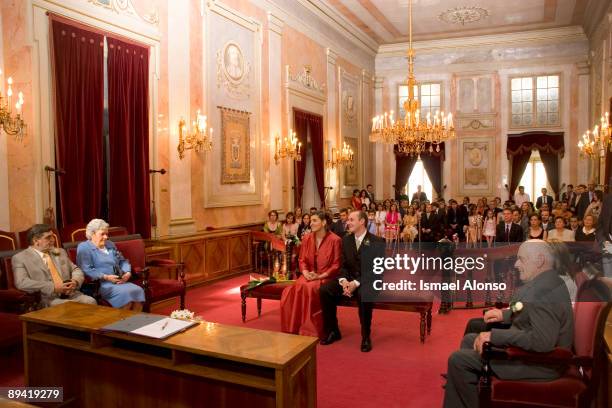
(604, 231)
(330, 292)
(581, 203)
(516, 233)
(421, 198)
(339, 228)
(433, 222)
(544, 200)
(545, 322)
(569, 197)
(455, 217)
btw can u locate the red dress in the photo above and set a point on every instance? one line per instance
(356, 203)
(300, 305)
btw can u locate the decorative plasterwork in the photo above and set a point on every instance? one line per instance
(306, 80)
(463, 14)
(233, 71)
(126, 7)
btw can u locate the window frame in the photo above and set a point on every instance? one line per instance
(534, 112)
(419, 84)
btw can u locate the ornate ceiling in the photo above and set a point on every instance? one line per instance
(386, 21)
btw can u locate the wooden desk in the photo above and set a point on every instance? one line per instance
(210, 365)
(211, 255)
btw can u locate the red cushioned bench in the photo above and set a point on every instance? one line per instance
(422, 303)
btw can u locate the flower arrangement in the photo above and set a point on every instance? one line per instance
(185, 314)
(516, 307)
(294, 239)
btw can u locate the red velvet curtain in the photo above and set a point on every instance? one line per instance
(518, 164)
(403, 168)
(300, 124)
(432, 163)
(128, 116)
(314, 125)
(78, 69)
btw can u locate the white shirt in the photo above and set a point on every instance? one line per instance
(358, 240)
(519, 198)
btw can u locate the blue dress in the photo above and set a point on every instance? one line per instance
(95, 263)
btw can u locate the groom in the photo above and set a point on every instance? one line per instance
(357, 247)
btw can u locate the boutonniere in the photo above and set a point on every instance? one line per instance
(54, 251)
(366, 242)
(516, 307)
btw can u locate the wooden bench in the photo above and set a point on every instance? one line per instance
(274, 291)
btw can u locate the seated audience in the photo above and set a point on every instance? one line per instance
(339, 227)
(558, 209)
(508, 231)
(100, 260)
(588, 231)
(363, 197)
(604, 238)
(392, 223)
(371, 221)
(298, 214)
(355, 200)
(320, 257)
(594, 208)
(429, 224)
(410, 222)
(304, 227)
(560, 233)
(273, 225)
(544, 322)
(573, 224)
(381, 215)
(489, 226)
(535, 230)
(547, 222)
(46, 269)
(544, 199)
(474, 227)
(313, 210)
(290, 226)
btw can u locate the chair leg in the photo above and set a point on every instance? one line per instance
(258, 306)
(429, 321)
(182, 297)
(422, 328)
(243, 306)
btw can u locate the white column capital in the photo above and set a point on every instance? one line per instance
(331, 56)
(378, 82)
(584, 67)
(275, 23)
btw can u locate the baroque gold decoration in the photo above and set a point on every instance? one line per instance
(306, 79)
(126, 7)
(233, 71)
(412, 133)
(595, 143)
(235, 146)
(289, 147)
(464, 14)
(198, 140)
(341, 157)
(13, 125)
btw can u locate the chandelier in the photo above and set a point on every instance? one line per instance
(598, 140)
(12, 125)
(412, 134)
(289, 147)
(341, 157)
(198, 140)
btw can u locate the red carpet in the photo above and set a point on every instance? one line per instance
(398, 372)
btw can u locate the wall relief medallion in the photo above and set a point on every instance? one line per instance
(233, 71)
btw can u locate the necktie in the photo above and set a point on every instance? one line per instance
(507, 232)
(55, 275)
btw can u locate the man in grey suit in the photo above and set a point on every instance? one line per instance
(45, 268)
(540, 320)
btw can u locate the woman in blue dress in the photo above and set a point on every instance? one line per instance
(100, 260)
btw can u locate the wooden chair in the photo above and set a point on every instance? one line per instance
(76, 232)
(12, 299)
(8, 241)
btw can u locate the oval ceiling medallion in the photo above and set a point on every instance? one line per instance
(464, 15)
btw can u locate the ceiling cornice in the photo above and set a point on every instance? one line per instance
(546, 36)
(594, 13)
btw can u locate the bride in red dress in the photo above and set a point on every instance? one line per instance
(319, 262)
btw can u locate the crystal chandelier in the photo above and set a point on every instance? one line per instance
(12, 125)
(341, 157)
(412, 134)
(198, 140)
(289, 147)
(598, 140)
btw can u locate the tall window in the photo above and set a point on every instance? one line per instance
(534, 178)
(419, 177)
(429, 96)
(535, 101)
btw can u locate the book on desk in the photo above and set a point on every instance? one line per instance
(150, 325)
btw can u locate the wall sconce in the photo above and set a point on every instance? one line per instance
(198, 139)
(12, 125)
(341, 157)
(289, 147)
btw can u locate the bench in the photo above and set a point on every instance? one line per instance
(273, 291)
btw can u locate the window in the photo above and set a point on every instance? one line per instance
(535, 101)
(419, 177)
(534, 178)
(429, 96)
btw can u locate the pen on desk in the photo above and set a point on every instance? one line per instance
(164, 326)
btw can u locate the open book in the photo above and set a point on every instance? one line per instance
(150, 325)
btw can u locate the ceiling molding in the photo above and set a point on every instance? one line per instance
(546, 36)
(594, 13)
